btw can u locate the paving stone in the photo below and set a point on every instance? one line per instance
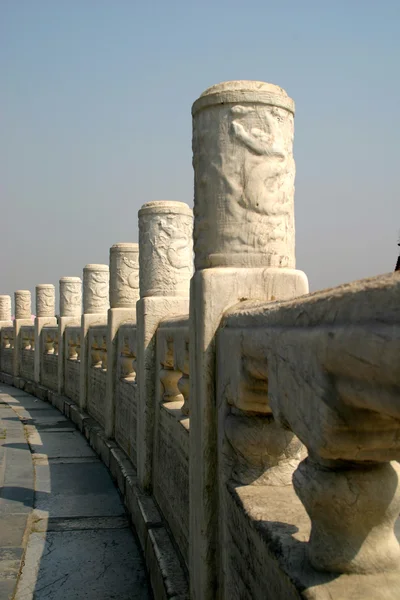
(73, 565)
(55, 445)
(76, 490)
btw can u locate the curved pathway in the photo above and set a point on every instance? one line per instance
(64, 533)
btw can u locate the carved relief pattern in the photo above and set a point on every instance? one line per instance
(244, 186)
(70, 298)
(96, 289)
(165, 253)
(23, 305)
(124, 282)
(5, 308)
(45, 301)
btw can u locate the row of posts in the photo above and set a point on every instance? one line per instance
(243, 248)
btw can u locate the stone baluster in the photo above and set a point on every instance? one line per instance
(124, 293)
(127, 361)
(5, 311)
(165, 255)
(181, 361)
(169, 375)
(96, 282)
(45, 317)
(244, 249)
(23, 316)
(70, 315)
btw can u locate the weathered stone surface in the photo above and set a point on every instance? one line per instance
(5, 308)
(23, 308)
(124, 275)
(70, 297)
(165, 240)
(244, 176)
(45, 300)
(96, 280)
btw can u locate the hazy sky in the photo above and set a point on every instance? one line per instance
(95, 120)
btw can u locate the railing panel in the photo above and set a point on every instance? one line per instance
(126, 391)
(96, 373)
(27, 352)
(171, 452)
(72, 363)
(7, 349)
(49, 358)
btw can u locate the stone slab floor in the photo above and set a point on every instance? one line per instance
(64, 534)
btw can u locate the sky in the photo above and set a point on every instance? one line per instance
(95, 120)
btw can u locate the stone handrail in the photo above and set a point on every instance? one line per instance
(324, 367)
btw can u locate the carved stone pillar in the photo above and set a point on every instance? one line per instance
(45, 317)
(96, 281)
(70, 315)
(165, 255)
(244, 249)
(23, 308)
(124, 293)
(5, 311)
(5, 321)
(23, 316)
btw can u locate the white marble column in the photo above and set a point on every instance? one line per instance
(70, 315)
(244, 249)
(23, 316)
(96, 279)
(45, 317)
(166, 266)
(124, 293)
(5, 311)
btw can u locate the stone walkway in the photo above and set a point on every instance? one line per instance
(61, 517)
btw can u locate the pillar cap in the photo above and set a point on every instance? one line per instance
(165, 206)
(133, 247)
(93, 267)
(70, 280)
(237, 92)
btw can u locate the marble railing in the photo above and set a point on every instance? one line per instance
(7, 349)
(126, 390)
(49, 358)
(72, 362)
(171, 436)
(27, 352)
(96, 373)
(309, 392)
(256, 427)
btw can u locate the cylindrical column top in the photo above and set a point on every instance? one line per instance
(165, 248)
(70, 296)
(45, 300)
(234, 92)
(124, 275)
(95, 289)
(244, 176)
(23, 309)
(5, 308)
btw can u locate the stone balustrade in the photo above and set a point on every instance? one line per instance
(49, 357)
(253, 429)
(7, 349)
(27, 352)
(72, 362)
(97, 370)
(126, 390)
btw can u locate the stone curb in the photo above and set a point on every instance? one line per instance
(167, 576)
